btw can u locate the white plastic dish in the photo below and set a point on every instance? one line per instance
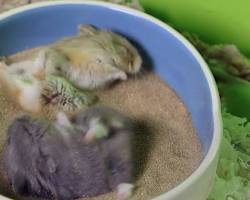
(173, 58)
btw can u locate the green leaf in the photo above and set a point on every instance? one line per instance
(232, 181)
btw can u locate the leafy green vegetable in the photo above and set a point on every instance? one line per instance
(236, 97)
(224, 56)
(233, 172)
(60, 92)
(231, 70)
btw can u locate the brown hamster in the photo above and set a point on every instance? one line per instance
(92, 59)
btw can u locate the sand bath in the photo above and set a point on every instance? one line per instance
(167, 148)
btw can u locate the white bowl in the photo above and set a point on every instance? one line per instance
(173, 58)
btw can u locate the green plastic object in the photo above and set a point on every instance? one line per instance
(215, 21)
(237, 98)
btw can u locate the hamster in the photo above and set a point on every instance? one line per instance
(57, 161)
(22, 82)
(92, 59)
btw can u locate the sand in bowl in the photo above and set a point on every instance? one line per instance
(167, 147)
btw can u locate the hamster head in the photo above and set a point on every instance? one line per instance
(115, 49)
(101, 122)
(22, 81)
(126, 57)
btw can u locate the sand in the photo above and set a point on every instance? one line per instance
(167, 147)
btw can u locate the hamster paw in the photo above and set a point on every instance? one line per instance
(124, 191)
(121, 76)
(97, 131)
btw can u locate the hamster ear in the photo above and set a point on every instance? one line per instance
(86, 29)
(62, 119)
(39, 65)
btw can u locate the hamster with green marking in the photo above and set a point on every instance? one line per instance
(92, 59)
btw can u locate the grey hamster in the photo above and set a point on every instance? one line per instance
(54, 160)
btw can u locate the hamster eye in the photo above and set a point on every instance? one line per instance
(98, 60)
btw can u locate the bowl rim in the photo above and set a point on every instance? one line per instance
(217, 119)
